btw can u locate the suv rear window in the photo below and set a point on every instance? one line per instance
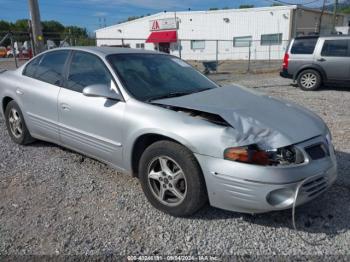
(304, 46)
(335, 48)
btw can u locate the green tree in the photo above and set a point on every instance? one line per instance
(344, 10)
(4, 26)
(52, 30)
(213, 9)
(52, 27)
(130, 18)
(246, 6)
(20, 25)
(76, 31)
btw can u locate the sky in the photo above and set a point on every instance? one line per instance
(92, 14)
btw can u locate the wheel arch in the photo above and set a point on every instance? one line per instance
(5, 101)
(142, 142)
(317, 68)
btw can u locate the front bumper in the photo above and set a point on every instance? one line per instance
(257, 189)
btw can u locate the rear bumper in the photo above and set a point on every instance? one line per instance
(284, 73)
(256, 189)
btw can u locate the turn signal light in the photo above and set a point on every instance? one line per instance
(247, 155)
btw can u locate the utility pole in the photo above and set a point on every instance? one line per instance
(321, 16)
(36, 26)
(335, 15)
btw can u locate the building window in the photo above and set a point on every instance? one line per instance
(335, 48)
(140, 45)
(271, 39)
(242, 41)
(197, 44)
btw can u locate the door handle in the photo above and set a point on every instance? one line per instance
(321, 59)
(19, 92)
(65, 107)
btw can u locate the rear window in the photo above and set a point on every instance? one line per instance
(50, 68)
(335, 48)
(304, 46)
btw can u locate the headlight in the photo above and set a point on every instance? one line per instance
(253, 155)
(247, 154)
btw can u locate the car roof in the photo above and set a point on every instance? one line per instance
(322, 36)
(107, 50)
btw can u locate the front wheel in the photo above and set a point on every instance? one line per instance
(172, 179)
(309, 80)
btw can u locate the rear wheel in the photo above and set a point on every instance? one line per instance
(309, 80)
(15, 124)
(171, 179)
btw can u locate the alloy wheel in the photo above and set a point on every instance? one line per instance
(15, 122)
(167, 181)
(308, 80)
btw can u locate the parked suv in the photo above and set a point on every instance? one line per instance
(315, 60)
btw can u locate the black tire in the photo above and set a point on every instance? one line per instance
(314, 77)
(195, 196)
(24, 137)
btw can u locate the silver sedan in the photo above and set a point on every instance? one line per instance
(155, 117)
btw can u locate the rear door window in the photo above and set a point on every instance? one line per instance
(50, 68)
(31, 67)
(337, 48)
(304, 46)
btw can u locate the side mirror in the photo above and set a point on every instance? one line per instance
(100, 90)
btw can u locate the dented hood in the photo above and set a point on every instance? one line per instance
(255, 118)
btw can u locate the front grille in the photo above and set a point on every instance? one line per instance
(315, 186)
(316, 151)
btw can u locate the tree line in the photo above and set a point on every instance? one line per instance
(52, 30)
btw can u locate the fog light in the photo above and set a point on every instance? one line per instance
(281, 198)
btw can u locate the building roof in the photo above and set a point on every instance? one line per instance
(223, 11)
(220, 11)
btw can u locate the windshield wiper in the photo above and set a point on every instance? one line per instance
(169, 95)
(176, 94)
(201, 90)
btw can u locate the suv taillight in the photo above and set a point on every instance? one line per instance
(285, 61)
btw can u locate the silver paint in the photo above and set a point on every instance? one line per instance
(108, 129)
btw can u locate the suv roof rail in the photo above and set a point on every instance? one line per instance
(320, 36)
(307, 37)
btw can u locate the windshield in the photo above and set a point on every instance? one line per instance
(154, 76)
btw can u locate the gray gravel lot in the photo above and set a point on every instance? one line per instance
(54, 201)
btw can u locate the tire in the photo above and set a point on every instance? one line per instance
(309, 80)
(182, 175)
(13, 113)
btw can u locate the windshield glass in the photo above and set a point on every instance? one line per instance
(154, 76)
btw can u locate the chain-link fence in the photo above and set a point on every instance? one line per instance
(221, 55)
(16, 47)
(237, 55)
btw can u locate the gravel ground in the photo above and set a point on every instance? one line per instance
(54, 201)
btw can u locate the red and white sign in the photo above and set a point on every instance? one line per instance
(162, 24)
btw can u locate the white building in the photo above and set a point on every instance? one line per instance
(261, 33)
